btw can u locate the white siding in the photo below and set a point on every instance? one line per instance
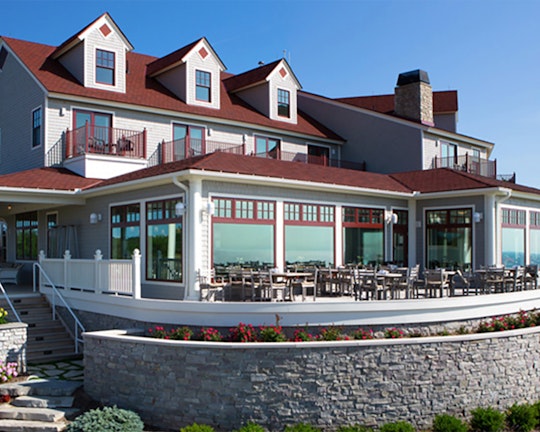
(208, 64)
(258, 97)
(284, 83)
(73, 61)
(175, 81)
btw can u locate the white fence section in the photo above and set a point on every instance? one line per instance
(120, 277)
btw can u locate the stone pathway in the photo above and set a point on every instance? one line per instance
(69, 370)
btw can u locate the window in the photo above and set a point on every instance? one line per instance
(267, 147)
(400, 239)
(3, 57)
(283, 103)
(448, 155)
(36, 127)
(449, 238)
(363, 236)
(125, 230)
(534, 233)
(105, 67)
(309, 234)
(318, 155)
(164, 241)
(93, 131)
(243, 233)
(26, 227)
(203, 86)
(188, 141)
(513, 236)
(52, 239)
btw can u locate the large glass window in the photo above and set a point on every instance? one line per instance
(203, 86)
(52, 240)
(284, 109)
(36, 127)
(309, 234)
(400, 238)
(125, 230)
(449, 238)
(267, 147)
(164, 241)
(26, 227)
(534, 233)
(513, 237)
(448, 154)
(243, 233)
(363, 236)
(188, 141)
(105, 67)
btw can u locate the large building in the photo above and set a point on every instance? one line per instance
(102, 148)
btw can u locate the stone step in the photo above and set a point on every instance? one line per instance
(43, 401)
(48, 415)
(31, 426)
(40, 387)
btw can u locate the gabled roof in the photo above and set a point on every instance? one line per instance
(222, 162)
(255, 76)
(147, 92)
(446, 180)
(60, 179)
(170, 60)
(443, 102)
(77, 37)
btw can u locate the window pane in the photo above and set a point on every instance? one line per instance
(202, 87)
(244, 245)
(363, 246)
(309, 245)
(164, 248)
(535, 247)
(105, 67)
(449, 247)
(513, 246)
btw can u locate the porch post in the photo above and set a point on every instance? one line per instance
(490, 230)
(413, 232)
(136, 275)
(194, 248)
(97, 277)
(67, 258)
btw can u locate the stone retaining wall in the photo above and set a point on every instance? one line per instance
(13, 338)
(174, 383)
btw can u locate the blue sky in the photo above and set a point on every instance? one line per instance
(487, 50)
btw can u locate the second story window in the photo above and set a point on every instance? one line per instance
(36, 127)
(105, 67)
(448, 154)
(202, 86)
(284, 103)
(267, 147)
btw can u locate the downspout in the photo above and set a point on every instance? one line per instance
(187, 258)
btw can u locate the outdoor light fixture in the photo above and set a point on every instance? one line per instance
(180, 209)
(95, 218)
(391, 218)
(210, 208)
(477, 217)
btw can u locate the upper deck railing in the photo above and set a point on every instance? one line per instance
(467, 163)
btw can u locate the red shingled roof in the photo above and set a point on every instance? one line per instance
(443, 102)
(170, 59)
(47, 178)
(251, 165)
(148, 92)
(250, 77)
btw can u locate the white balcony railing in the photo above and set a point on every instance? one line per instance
(119, 277)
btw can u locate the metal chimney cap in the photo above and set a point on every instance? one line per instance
(414, 76)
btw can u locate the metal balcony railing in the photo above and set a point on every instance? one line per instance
(467, 163)
(90, 139)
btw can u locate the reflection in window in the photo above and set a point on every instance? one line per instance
(104, 67)
(400, 238)
(125, 231)
(513, 237)
(284, 104)
(449, 238)
(534, 254)
(363, 236)
(26, 228)
(202, 86)
(163, 241)
(267, 147)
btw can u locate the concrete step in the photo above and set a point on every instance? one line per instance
(48, 415)
(43, 401)
(31, 426)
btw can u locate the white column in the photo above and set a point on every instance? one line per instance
(279, 236)
(193, 225)
(490, 230)
(413, 232)
(338, 242)
(136, 274)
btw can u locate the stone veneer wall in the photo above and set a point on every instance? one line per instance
(13, 338)
(174, 383)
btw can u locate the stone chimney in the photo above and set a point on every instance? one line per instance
(414, 98)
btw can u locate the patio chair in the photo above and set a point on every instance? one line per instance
(494, 280)
(513, 279)
(369, 285)
(435, 282)
(530, 277)
(211, 286)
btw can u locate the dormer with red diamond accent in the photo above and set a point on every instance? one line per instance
(96, 56)
(271, 89)
(192, 73)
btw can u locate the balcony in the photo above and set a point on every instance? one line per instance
(102, 140)
(186, 148)
(469, 164)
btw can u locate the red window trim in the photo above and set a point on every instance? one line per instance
(536, 223)
(235, 219)
(317, 222)
(202, 85)
(282, 102)
(513, 225)
(104, 66)
(448, 224)
(357, 224)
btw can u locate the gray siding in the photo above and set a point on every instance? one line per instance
(20, 95)
(385, 145)
(258, 97)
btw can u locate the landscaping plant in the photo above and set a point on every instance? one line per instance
(486, 420)
(251, 427)
(354, 428)
(332, 333)
(195, 427)
(210, 334)
(107, 419)
(301, 427)
(243, 333)
(181, 333)
(302, 335)
(3, 316)
(398, 426)
(521, 417)
(271, 334)
(448, 423)
(8, 371)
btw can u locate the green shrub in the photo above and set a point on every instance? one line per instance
(107, 419)
(354, 428)
(536, 408)
(197, 428)
(301, 427)
(448, 423)
(521, 418)
(271, 334)
(399, 426)
(251, 427)
(486, 420)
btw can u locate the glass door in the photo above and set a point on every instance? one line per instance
(188, 141)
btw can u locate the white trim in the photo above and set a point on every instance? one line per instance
(41, 128)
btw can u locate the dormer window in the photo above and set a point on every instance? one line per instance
(105, 63)
(203, 86)
(284, 103)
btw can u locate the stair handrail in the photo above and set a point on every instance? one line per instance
(78, 327)
(6, 296)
